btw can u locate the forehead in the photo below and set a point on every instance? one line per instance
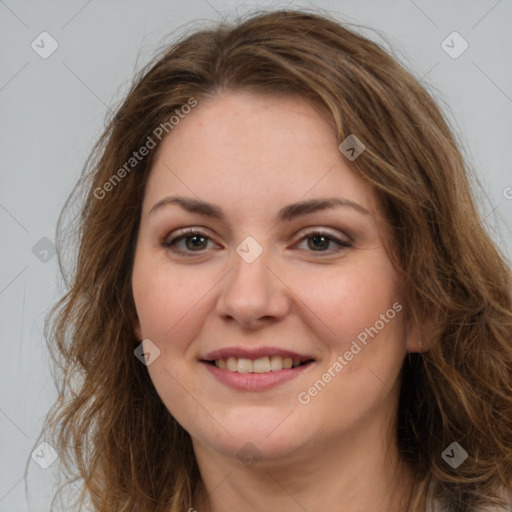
(253, 153)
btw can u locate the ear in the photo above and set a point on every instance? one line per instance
(419, 338)
(137, 330)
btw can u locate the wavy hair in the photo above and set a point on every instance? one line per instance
(110, 428)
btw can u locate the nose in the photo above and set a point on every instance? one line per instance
(252, 294)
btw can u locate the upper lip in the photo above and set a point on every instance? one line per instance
(253, 353)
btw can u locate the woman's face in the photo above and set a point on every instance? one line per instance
(257, 285)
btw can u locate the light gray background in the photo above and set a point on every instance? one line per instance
(52, 110)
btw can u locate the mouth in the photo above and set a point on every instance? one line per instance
(256, 369)
(264, 364)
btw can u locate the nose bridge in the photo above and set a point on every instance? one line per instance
(251, 291)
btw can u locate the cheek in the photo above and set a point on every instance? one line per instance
(169, 301)
(167, 296)
(351, 298)
(365, 343)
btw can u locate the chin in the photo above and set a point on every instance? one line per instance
(267, 438)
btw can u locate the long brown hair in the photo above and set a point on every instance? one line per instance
(111, 430)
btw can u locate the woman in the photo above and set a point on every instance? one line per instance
(284, 298)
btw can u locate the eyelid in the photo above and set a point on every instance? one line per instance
(303, 236)
(188, 230)
(341, 244)
(183, 232)
(325, 231)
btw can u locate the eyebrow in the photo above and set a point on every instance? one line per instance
(286, 213)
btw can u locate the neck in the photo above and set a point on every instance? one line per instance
(359, 471)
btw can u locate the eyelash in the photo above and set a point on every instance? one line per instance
(190, 232)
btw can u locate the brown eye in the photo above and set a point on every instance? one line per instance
(187, 241)
(190, 241)
(318, 241)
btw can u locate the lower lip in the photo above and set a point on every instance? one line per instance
(255, 381)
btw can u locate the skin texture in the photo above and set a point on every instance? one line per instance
(251, 155)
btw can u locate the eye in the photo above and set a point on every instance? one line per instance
(321, 240)
(195, 241)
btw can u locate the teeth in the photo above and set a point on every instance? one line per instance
(276, 363)
(244, 365)
(262, 365)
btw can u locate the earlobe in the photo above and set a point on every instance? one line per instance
(420, 338)
(137, 330)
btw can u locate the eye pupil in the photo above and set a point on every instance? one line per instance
(195, 237)
(322, 246)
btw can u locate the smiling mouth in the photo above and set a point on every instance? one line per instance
(261, 365)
